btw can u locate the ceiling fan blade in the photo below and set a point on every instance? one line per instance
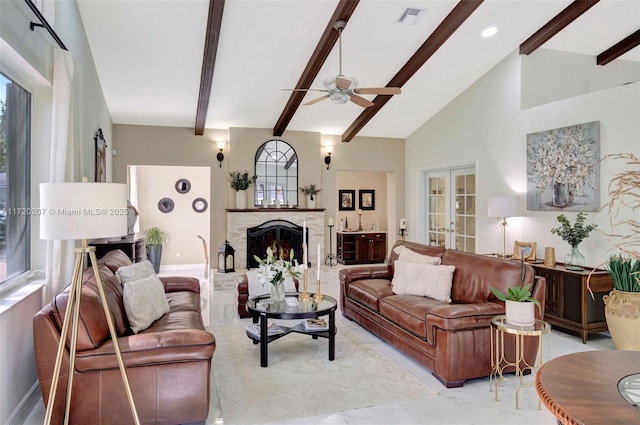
(378, 90)
(361, 101)
(320, 90)
(343, 83)
(316, 100)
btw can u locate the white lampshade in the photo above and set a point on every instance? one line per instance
(83, 210)
(504, 206)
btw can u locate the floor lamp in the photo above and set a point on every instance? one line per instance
(81, 211)
(503, 207)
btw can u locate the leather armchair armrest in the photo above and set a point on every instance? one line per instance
(180, 283)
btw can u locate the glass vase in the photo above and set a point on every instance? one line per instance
(277, 292)
(574, 260)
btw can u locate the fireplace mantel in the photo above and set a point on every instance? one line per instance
(272, 210)
(238, 221)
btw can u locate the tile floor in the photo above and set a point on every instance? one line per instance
(471, 404)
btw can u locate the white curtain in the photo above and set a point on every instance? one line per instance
(65, 162)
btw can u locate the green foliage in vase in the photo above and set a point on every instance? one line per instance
(576, 233)
(310, 189)
(155, 236)
(517, 293)
(240, 180)
(624, 272)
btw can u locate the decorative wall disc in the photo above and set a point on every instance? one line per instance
(166, 205)
(183, 186)
(199, 205)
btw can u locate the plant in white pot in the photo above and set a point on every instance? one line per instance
(311, 191)
(518, 301)
(154, 239)
(240, 182)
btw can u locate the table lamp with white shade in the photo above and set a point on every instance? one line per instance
(81, 211)
(504, 207)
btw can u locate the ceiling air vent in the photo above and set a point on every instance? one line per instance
(410, 16)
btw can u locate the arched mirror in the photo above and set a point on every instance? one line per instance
(277, 174)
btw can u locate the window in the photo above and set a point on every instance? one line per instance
(277, 174)
(15, 171)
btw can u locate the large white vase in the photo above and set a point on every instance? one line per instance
(311, 201)
(241, 199)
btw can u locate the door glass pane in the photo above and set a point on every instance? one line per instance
(437, 211)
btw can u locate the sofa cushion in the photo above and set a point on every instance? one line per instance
(183, 301)
(144, 302)
(369, 291)
(409, 312)
(425, 280)
(407, 255)
(135, 271)
(115, 259)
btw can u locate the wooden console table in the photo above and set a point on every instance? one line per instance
(568, 302)
(582, 388)
(132, 245)
(361, 247)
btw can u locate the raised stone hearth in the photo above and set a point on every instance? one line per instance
(238, 221)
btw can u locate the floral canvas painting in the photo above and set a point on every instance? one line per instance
(563, 171)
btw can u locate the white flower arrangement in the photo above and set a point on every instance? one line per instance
(274, 270)
(563, 156)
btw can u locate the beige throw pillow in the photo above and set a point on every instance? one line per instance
(135, 271)
(409, 256)
(425, 280)
(144, 302)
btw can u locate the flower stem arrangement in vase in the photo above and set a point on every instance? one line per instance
(310, 191)
(275, 271)
(154, 238)
(519, 302)
(240, 182)
(573, 234)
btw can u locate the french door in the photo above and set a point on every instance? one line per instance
(451, 208)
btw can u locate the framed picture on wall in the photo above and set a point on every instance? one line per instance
(347, 200)
(367, 199)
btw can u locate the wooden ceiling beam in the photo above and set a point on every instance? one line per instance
(619, 49)
(447, 27)
(555, 25)
(343, 12)
(212, 37)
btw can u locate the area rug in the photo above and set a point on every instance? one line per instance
(300, 380)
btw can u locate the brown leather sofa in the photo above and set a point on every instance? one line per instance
(451, 339)
(168, 364)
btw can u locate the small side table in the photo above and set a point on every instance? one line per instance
(500, 327)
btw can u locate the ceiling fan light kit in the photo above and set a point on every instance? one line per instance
(341, 89)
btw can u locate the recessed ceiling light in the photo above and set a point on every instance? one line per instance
(489, 32)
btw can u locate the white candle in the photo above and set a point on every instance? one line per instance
(318, 278)
(304, 255)
(330, 221)
(403, 223)
(360, 212)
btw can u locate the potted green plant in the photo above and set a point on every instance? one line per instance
(240, 182)
(519, 302)
(573, 234)
(310, 190)
(154, 239)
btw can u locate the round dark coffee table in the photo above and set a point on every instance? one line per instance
(262, 309)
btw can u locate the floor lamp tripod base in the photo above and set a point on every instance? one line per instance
(71, 318)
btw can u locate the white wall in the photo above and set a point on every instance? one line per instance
(183, 224)
(486, 125)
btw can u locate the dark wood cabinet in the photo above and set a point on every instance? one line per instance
(361, 247)
(568, 302)
(132, 245)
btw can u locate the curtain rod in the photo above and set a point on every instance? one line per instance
(44, 24)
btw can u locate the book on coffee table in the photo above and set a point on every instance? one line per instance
(254, 329)
(315, 325)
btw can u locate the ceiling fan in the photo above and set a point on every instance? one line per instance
(341, 89)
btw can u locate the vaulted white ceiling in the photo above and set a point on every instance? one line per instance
(149, 56)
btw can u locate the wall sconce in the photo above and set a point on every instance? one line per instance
(327, 159)
(220, 156)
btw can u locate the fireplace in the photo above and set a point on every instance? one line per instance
(280, 235)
